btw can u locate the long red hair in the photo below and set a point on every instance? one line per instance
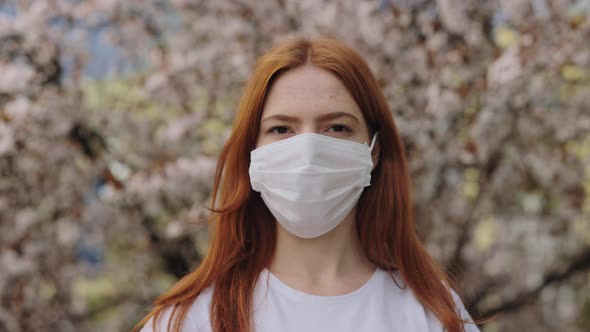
(243, 232)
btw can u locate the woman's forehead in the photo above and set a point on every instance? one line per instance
(309, 89)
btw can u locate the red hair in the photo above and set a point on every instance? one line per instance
(243, 232)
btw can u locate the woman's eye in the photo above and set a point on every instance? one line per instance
(278, 130)
(339, 128)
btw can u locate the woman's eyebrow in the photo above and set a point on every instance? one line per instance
(335, 115)
(281, 117)
(323, 117)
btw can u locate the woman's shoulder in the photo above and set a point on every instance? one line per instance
(398, 280)
(403, 292)
(196, 320)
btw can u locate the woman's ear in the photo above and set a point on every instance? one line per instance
(375, 152)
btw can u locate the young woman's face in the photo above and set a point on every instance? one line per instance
(308, 99)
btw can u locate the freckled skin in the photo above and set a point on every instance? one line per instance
(305, 93)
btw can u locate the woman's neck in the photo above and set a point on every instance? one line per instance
(325, 264)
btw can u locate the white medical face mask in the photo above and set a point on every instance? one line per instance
(310, 182)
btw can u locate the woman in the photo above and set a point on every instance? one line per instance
(312, 227)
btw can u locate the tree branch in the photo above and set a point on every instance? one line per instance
(177, 254)
(456, 263)
(580, 263)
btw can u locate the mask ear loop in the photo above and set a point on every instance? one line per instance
(373, 141)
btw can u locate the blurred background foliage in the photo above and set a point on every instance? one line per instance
(112, 114)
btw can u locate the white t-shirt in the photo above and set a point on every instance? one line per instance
(377, 306)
